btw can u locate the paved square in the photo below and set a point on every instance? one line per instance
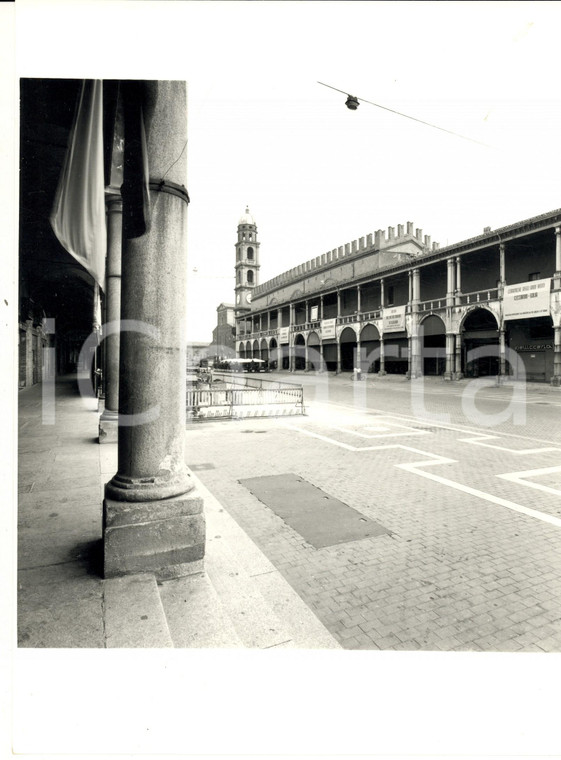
(472, 559)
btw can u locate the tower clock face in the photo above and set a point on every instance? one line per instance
(248, 298)
(238, 299)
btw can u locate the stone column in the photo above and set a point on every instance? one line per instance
(338, 303)
(382, 294)
(108, 420)
(382, 357)
(415, 369)
(458, 374)
(502, 270)
(556, 379)
(502, 359)
(338, 370)
(152, 519)
(458, 279)
(358, 299)
(410, 283)
(450, 287)
(557, 274)
(291, 346)
(321, 307)
(449, 356)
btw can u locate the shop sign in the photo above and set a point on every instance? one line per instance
(533, 347)
(328, 328)
(283, 335)
(527, 299)
(393, 319)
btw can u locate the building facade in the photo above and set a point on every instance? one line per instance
(224, 334)
(395, 302)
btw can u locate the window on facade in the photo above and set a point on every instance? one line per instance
(390, 295)
(534, 276)
(250, 253)
(250, 236)
(250, 277)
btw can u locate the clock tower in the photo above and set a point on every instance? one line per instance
(247, 261)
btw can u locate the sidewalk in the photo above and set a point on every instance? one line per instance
(240, 601)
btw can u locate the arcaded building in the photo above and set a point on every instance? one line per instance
(393, 302)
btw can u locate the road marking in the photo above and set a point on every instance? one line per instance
(436, 459)
(373, 412)
(478, 441)
(520, 479)
(383, 431)
(480, 494)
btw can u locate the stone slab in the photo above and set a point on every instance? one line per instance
(134, 616)
(319, 518)
(59, 606)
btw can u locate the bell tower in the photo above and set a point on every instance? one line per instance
(247, 261)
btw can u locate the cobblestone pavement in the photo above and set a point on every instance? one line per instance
(472, 560)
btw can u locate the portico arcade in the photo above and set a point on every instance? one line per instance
(396, 303)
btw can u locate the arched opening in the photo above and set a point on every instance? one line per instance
(480, 344)
(348, 349)
(250, 276)
(299, 352)
(250, 253)
(433, 334)
(255, 353)
(370, 343)
(396, 353)
(314, 352)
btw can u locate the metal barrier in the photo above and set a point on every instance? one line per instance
(245, 401)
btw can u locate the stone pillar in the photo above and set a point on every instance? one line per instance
(502, 270)
(556, 379)
(382, 357)
(557, 275)
(449, 356)
(382, 294)
(410, 283)
(153, 520)
(108, 420)
(416, 285)
(415, 369)
(458, 279)
(338, 370)
(321, 307)
(358, 304)
(502, 358)
(291, 347)
(450, 287)
(338, 303)
(458, 374)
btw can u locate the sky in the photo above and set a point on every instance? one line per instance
(263, 133)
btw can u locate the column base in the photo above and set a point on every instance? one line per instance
(381, 373)
(556, 381)
(448, 376)
(108, 427)
(166, 538)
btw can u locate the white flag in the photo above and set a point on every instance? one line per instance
(78, 215)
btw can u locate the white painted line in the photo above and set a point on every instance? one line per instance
(482, 495)
(520, 479)
(372, 412)
(477, 441)
(435, 459)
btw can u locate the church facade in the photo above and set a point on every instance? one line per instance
(393, 302)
